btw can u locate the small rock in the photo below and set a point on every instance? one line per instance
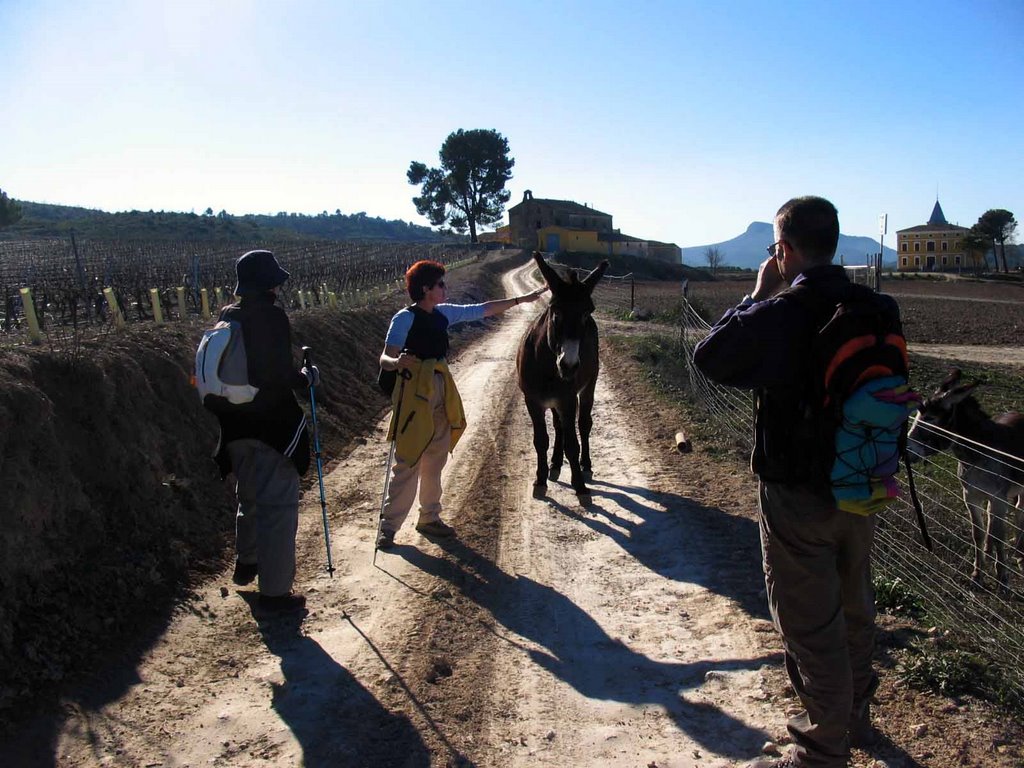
(771, 748)
(550, 736)
(919, 730)
(223, 591)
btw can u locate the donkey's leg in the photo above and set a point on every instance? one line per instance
(567, 415)
(998, 510)
(586, 422)
(540, 444)
(976, 503)
(556, 450)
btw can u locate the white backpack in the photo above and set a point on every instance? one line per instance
(222, 369)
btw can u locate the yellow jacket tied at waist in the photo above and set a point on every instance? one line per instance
(417, 421)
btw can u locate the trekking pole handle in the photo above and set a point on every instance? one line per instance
(307, 356)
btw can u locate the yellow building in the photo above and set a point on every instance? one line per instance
(933, 247)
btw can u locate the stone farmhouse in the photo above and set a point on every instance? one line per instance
(563, 225)
(933, 247)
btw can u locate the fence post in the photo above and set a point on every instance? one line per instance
(181, 302)
(217, 298)
(154, 300)
(115, 309)
(332, 299)
(30, 316)
(204, 298)
(302, 299)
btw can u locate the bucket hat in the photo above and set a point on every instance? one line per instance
(258, 271)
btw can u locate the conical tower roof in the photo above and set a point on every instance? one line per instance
(937, 216)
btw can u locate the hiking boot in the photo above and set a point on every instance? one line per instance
(282, 603)
(863, 735)
(244, 573)
(436, 528)
(385, 539)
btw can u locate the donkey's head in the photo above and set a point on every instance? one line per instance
(569, 313)
(939, 410)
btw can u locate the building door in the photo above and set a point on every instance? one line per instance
(929, 263)
(552, 243)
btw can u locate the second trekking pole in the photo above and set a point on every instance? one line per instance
(307, 363)
(396, 414)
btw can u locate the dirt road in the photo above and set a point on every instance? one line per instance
(629, 633)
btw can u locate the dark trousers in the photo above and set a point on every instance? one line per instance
(817, 568)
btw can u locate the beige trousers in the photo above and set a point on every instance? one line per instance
(426, 472)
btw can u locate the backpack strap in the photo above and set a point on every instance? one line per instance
(916, 502)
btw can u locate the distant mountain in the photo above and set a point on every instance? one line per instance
(747, 251)
(45, 220)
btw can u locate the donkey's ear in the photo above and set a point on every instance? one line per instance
(550, 276)
(951, 380)
(591, 280)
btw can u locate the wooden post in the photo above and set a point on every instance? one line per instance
(217, 297)
(302, 299)
(181, 302)
(30, 316)
(332, 299)
(154, 300)
(204, 297)
(115, 309)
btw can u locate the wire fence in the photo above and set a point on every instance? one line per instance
(66, 280)
(977, 613)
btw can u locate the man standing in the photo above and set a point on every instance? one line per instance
(816, 557)
(265, 442)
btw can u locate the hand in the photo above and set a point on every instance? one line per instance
(312, 374)
(769, 279)
(533, 295)
(406, 362)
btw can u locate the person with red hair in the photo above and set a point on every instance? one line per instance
(429, 403)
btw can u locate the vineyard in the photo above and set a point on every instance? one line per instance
(74, 286)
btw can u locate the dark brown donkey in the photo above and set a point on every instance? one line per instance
(557, 364)
(991, 468)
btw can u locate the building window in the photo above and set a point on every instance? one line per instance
(917, 260)
(917, 249)
(956, 245)
(903, 247)
(945, 246)
(931, 246)
(945, 259)
(904, 259)
(956, 260)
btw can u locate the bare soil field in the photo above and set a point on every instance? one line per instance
(632, 632)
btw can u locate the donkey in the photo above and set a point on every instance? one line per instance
(557, 365)
(993, 483)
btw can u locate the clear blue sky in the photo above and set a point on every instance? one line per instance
(684, 120)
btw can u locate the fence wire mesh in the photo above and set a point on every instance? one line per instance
(982, 617)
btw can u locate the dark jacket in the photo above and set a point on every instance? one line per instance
(275, 416)
(766, 346)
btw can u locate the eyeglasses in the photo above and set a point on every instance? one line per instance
(773, 249)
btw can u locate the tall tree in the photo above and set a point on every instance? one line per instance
(468, 188)
(10, 211)
(714, 257)
(976, 244)
(998, 225)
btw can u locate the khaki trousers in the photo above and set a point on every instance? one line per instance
(817, 568)
(268, 513)
(426, 472)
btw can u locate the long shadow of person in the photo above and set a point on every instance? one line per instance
(725, 557)
(332, 716)
(577, 650)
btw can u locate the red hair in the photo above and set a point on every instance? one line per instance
(421, 276)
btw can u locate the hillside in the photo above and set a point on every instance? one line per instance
(45, 220)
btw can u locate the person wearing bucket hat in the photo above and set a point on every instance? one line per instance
(265, 443)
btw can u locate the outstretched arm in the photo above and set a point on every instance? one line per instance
(498, 306)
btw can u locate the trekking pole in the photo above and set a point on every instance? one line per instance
(307, 363)
(406, 375)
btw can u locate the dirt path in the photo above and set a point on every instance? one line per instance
(630, 633)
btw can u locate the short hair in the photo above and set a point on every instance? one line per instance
(421, 276)
(811, 225)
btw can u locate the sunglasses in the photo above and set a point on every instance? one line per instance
(773, 249)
